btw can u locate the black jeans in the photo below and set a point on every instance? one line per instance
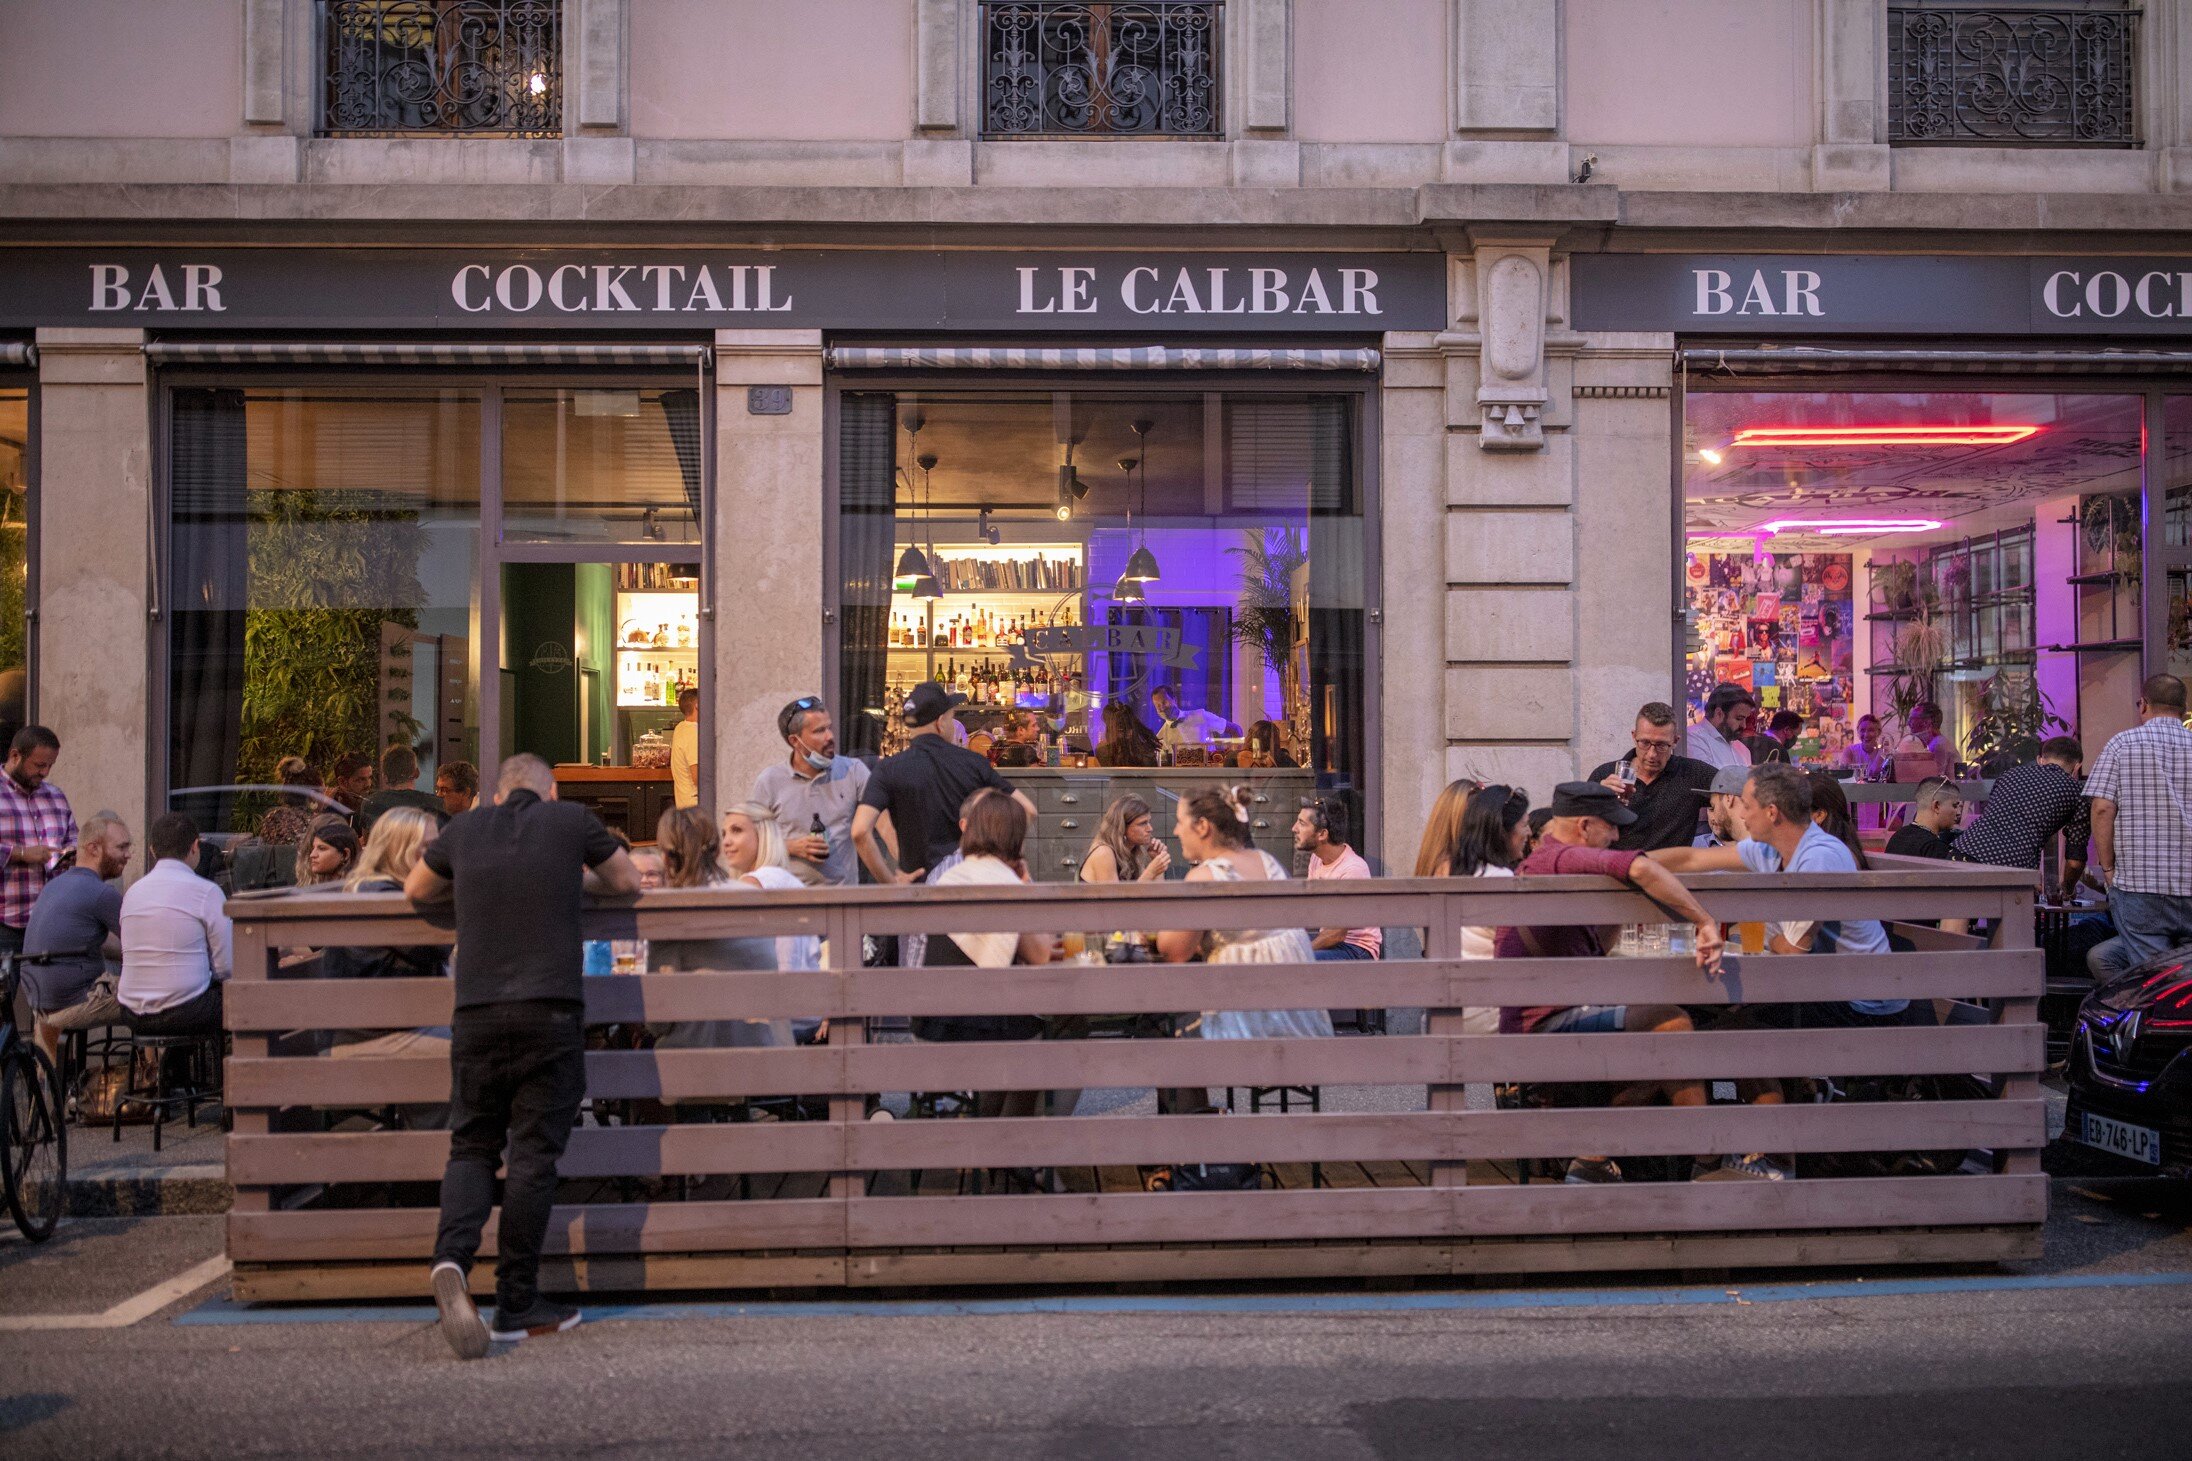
(517, 1073)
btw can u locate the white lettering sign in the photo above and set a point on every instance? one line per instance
(1716, 293)
(111, 289)
(1146, 289)
(2070, 294)
(582, 289)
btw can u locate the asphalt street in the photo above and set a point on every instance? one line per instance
(2080, 1354)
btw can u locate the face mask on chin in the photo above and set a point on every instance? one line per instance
(815, 760)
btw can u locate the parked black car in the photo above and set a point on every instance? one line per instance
(2130, 1067)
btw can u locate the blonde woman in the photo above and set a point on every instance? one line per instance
(1126, 849)
(399, 839)
(754, 853)
(692, 857)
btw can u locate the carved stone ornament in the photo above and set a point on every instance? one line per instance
(1511, 283)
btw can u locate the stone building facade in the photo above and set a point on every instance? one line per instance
(1527, 463)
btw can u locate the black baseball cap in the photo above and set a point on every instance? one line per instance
(929, 700)
(1589, 799)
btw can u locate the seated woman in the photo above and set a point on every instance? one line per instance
(1212, 827)
(692, 857)
(327, 854)
(991, 849)
(1265, 748)
(1126, 849)
(754, 853)
(286, 823)
(398, 840)
(1126, 742)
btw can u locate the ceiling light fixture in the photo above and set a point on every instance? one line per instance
(1128, 591)
(1141, 565)
(1883, 435)
(1708, 456)
(913, 564)
(1847, 527)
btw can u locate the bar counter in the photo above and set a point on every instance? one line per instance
(628, 799)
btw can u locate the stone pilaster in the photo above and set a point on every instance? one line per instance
(94, 625)
(769, 596)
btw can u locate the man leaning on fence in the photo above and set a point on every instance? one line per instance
(517, 1050)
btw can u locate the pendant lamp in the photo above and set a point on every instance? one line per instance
(1128, 591)
(926, 587)
(913, 566)
(1141, 565)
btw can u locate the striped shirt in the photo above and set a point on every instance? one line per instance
(2147, 772)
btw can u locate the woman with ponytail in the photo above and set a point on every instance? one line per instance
(1212, 826)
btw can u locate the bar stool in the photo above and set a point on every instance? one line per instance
(201, 1062)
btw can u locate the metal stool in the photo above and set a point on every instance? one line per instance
(202, 1057)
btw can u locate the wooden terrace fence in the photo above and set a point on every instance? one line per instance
(1444, 1200)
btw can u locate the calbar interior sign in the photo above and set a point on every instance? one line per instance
(1789, 294)
(514, 289)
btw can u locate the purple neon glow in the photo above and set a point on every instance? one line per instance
(1849, 527)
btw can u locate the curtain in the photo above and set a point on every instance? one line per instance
(209, 587)
(681, 413)
(867, 546)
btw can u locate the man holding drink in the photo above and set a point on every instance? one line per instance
(1659, 786)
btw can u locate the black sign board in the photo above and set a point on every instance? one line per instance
(1798, 294)
(447, 289)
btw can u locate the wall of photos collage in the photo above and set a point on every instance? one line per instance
(1781, 625)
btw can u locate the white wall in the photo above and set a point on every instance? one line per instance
(1704, 73)
(121, 68)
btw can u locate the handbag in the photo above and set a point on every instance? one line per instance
(102, 1091)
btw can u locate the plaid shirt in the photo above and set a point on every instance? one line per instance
(2025, 807)
(38, 818)
(2147, 772)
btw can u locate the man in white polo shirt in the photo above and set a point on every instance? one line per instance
(177, 944)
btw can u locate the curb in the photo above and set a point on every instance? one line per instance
(194, 1188)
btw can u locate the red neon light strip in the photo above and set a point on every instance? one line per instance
(1883, 435)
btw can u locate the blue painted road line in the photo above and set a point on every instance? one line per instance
(224, 1311)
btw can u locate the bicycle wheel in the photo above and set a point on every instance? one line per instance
(33, 1142)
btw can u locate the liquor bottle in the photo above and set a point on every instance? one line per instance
(938, 637)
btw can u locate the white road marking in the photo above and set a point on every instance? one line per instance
(130, 1310)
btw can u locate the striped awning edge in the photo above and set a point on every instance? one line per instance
(1809, 359)
(415, 352)
(18, 352)
(1095, 357)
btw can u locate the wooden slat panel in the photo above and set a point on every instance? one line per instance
(594, 1151)
(1889, 1126)
(1074, 989)
(1104, 1141)
(1191, 1217)
(666, 1227)
(1094, 1064)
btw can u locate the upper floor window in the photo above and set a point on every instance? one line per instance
(443, 67)
(2060, 75)
(1052, 70)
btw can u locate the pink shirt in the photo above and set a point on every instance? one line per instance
(1349, 864)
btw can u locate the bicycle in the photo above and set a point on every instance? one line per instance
(33, 1136)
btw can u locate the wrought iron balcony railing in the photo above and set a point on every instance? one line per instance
(443, 67)
(2003, 74)
(1052, 70)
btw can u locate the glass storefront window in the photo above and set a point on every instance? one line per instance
(324, 593)
(598, 465)
(1094, 554)
(1863, 552)
(14, 559)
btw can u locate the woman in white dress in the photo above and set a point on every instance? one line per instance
(1212, 827)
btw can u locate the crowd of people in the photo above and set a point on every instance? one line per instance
(154, 957)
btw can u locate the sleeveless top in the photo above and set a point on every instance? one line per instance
(1264, 946)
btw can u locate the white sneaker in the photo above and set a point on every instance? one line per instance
(461, 1323)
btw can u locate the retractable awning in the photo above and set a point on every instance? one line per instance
(1094, 357)
(18, 352)
(415, 352)
(1805, 359)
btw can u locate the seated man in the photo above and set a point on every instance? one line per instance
(75, 937)
(1936, 811)
(1776, 813)
(177, 944)
(1321, 831)
(1586, 818)
(1723, 803)
(1021, 746)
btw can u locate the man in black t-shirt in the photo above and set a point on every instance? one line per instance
(921, 788)
(517, 1052)
(1664, 790)
(1936, 811)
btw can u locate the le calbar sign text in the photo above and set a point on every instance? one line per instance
(1794, 294)
(283, 288)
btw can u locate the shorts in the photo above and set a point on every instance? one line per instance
(1586, 1019)
(98, 1008)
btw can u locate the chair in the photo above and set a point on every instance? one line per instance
(1312, 1096)
(201, 1060)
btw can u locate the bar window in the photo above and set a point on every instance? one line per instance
(14, 559)
(324, 597)
(594, 465)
